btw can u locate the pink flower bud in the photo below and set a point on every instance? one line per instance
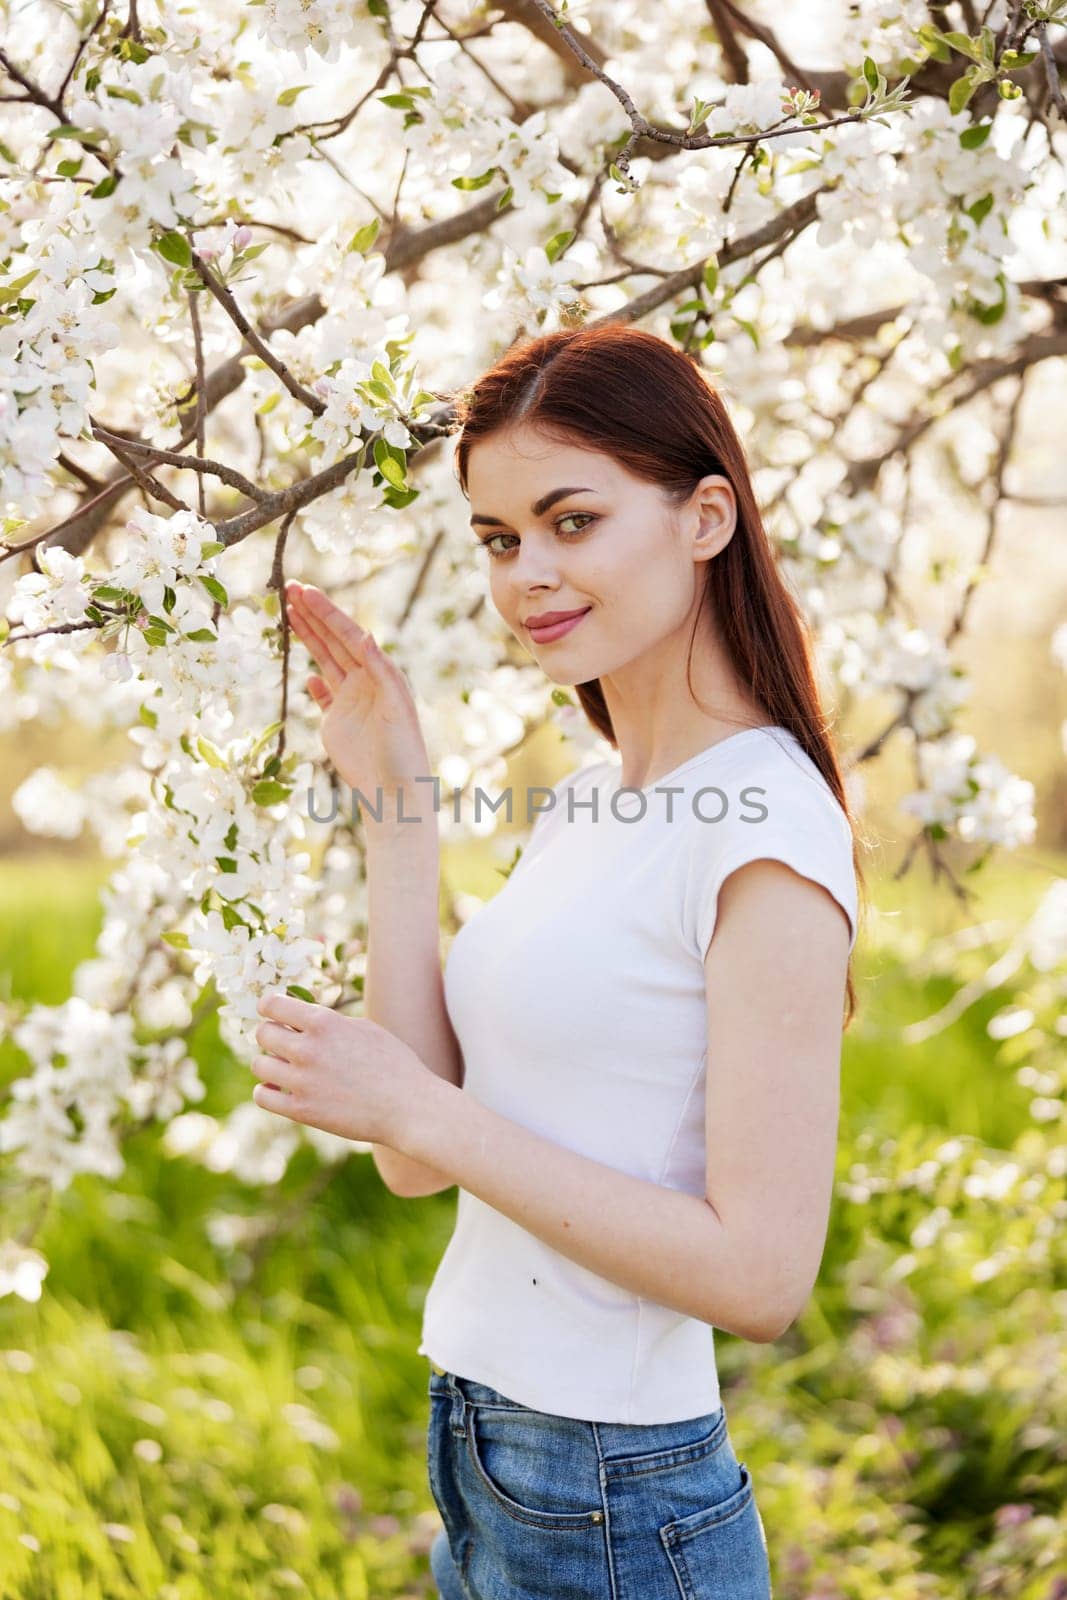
(243, 237)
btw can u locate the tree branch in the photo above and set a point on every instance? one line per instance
(253, 340)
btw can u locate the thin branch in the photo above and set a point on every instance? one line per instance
(292, 498)
(172, 458)
(81, 473)
(82, 45)
(263, 350)
(996, 500)
(149, 484)
(734, 56)
(792, 220)
(61, 627)
(1038, 347)
(1052, 77)
(33, 90)
(643, 129)
(198, 361)
(132, 29)
(277, 583)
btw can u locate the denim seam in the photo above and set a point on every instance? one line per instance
(637, 1466)
(604, 1500)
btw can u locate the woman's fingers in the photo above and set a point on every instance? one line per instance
(325, 636)
(319, 691)
(344, 635)
(334, 668)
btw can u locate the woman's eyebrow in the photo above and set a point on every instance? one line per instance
(540, 506)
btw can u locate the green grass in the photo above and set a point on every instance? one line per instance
(152, 1448)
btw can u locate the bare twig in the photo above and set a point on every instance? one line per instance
(277, 583)
(172, 458)
(996, 500)
(149, 484)
(1052, 76)
(198, 360)
(262, 349)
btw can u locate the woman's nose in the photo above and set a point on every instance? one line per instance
(534, 563)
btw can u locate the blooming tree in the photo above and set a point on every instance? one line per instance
(249, 255)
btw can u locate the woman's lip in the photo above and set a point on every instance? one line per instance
(556, 630)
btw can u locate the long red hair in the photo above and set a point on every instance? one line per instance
(626, 392)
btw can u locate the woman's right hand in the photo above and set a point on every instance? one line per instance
(370, 728)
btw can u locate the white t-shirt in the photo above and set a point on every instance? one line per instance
(577, 995)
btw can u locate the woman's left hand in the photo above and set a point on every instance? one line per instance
(347, 1075)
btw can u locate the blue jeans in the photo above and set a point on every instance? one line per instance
(536, 1505)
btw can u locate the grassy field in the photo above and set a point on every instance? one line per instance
(185, 1420)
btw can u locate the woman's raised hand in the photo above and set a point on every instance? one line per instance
(370, 726)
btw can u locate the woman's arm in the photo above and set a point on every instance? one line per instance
(404, 984)
(744, 1256)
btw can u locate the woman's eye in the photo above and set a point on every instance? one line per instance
(584, 517)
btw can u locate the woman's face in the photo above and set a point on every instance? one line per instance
(611, 546)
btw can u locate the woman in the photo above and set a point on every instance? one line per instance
(630, 1066)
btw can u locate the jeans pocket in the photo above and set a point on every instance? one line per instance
(534, 1467)
(720, 1552)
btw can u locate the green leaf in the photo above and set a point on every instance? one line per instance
(202, 636)
(966, 46)
(155, 636)
(148, 716)
(212, 547)
(175, 248)
(210, 753)
(871, 73)
(265, 737)
(980, 210)
(974, 137)
(215, 589)
(67, 130)
(387, 464)
(298, 992)
(934, 41)
(961, 91)
(170, 599)
(398, 498)
(105, 187)
(177, 939)
(364, 237)
(558, 243)
(288, 96)
(268, 792)
(226, 864)
(475, 183)
(711, 276)
(70, 169)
